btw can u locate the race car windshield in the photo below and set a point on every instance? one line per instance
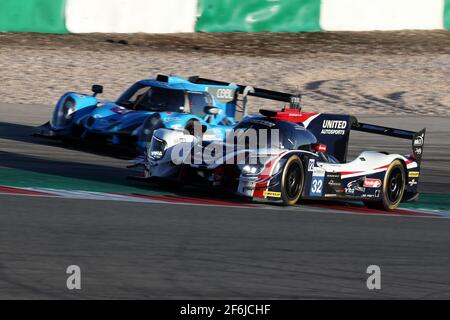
(261, 133)
(154, 99)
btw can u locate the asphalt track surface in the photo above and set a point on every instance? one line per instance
(169, 251)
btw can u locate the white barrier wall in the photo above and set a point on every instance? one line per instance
(129, 16)
(366, 15)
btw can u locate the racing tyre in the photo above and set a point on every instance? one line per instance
(292, 181)
(393, 188)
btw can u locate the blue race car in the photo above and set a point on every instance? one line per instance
(164, 102)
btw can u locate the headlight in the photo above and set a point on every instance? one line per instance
(251, 170)
(157, 148)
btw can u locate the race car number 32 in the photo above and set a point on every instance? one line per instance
(316, 185)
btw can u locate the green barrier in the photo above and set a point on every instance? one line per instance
(447, 14)
(258, 15)
(32, 16)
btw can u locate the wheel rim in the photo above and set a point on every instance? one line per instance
(293, 181)
(395, 185)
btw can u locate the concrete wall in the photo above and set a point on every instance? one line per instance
(366, 15)
(129, 16)
(169, 16)
(32, 16)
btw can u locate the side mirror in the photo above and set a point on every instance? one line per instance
(212, 110)
(97, 89)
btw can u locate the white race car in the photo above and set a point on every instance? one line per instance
(306, 161)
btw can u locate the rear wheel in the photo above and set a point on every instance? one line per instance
(292, 181)
(393, 188)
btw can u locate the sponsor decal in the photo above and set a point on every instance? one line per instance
(412, 182)
(334, 127)
(319, 172)
(168, 119)
(311, 164)
(377, 193)
(223, 94)
(317, 182)
(418, 151)
(349, 190)
(355, 185)
(272, 194)
(333, 184)
(418, 141)
(372, 183)
(413, 174)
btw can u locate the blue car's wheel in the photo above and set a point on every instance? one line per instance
(190, 128)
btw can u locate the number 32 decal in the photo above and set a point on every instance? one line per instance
(316, 186)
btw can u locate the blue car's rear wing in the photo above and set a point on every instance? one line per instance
(417, 138)
(293, 99)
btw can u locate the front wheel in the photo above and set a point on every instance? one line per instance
(149, 126)
(393, 188)
(194, 128)
(292, 181)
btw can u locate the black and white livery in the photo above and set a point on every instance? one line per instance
(308, 160)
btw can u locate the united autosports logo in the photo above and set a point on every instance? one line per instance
(372, 183)
(336, 127)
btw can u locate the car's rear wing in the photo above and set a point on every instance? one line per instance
(292, 99)
(417, 138)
